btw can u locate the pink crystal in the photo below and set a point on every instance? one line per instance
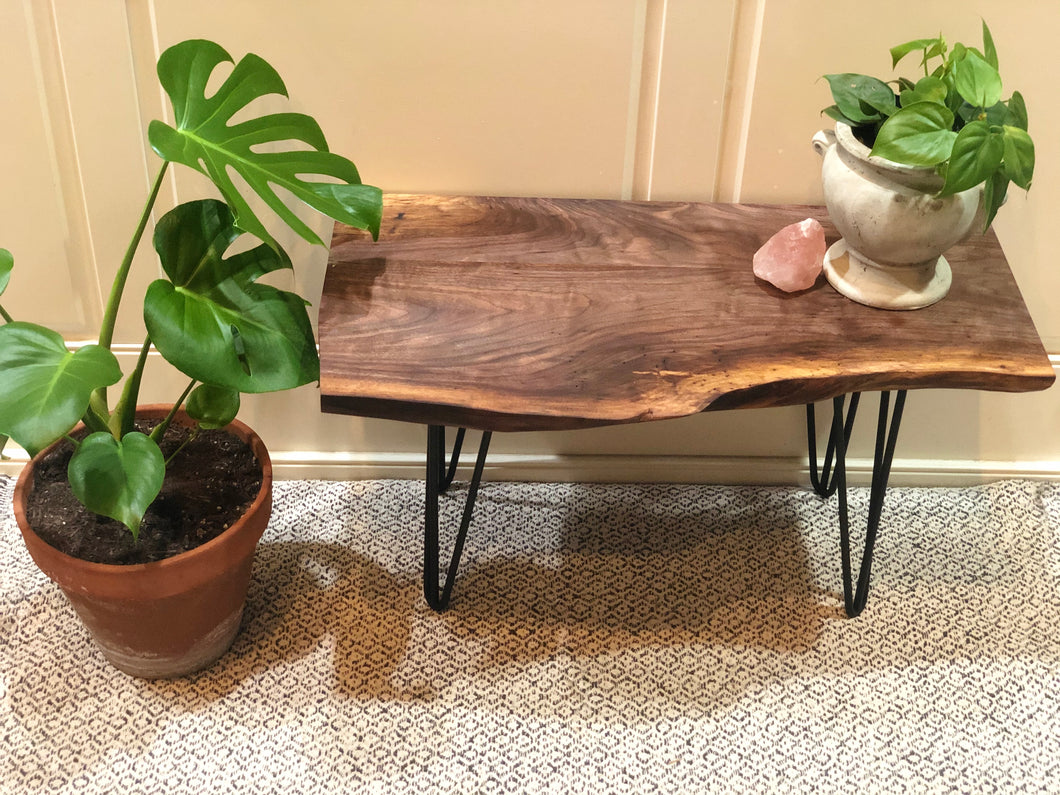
(793, 258)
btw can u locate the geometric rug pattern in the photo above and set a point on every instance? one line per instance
(601, 638)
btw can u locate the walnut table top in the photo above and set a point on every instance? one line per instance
(543, 314)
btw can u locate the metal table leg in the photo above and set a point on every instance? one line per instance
(438, 481)
(826, 482)
(855, 596)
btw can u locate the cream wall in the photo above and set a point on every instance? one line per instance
(646, 99)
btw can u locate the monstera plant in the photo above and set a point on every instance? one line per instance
(209, 316)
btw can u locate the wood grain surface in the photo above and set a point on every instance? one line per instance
(541, 314)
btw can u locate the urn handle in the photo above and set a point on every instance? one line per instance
(823, 140)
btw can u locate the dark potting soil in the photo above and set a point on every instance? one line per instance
(866, 134)
(208, 486)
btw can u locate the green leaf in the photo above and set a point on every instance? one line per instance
(936, 50)
(899, 52)
(212, 406)
(204, 139)
(919, 135)
(927, 89)
(7, 263)
(45, 389)
(212, 321)
(853, 93)
(977, 81)
(833, 112)
(995, 116)
(1017, 111)
(954, 101)
(1019, 156)
(118, 479)
(994, 192)
(881, 107)
(977, 154)
(989, 50)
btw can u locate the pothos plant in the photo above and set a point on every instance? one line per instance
(209, 316)
(951, 118)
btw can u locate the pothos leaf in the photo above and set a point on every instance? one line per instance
(927, 89)
(899, 51)
(205, 139)
(977, 81)
(989, 50)
(1016, 111)
(860, 97)
(7, 263)
(995, 190)
(1019, 156)
(919, 135)
(977, 153)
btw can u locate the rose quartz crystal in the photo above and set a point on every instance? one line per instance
(793, 258)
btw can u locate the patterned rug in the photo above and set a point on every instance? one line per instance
(602, 638)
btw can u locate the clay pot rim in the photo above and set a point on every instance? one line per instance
(86, 568)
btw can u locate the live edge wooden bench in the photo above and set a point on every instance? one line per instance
(520, 314)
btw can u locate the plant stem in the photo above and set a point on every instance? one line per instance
(7, 318)
(192, 433)
(160, 429)
(94, 422)
(110, 314)
(121, 421)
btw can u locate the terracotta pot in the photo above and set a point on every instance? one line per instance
(170, 617)
(895, 229)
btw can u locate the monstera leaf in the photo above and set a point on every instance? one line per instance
(212, 406)
(116, 478)
(205, 139)
(45, 388)
(211, 320)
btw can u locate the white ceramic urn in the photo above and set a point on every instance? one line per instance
(895, 229)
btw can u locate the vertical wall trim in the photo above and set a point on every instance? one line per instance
(145, 49)
(753, 56)
(56, 110)
(636, 75)
(35, 47)
(748, 24)
(655, 22)
(75, 172)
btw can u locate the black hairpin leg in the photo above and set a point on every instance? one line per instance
(438, 480)
(447, 475)
(826, 483)
(855, 596)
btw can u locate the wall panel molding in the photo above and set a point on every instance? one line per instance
(41, 208)
(651, 99)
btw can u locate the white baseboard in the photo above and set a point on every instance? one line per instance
(641, 469)
(660, 469)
